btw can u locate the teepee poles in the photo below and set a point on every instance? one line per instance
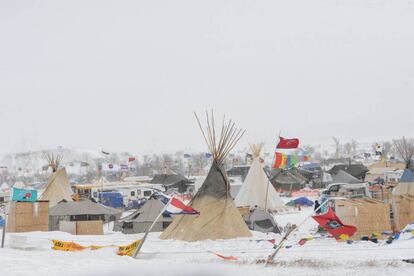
(229, 136)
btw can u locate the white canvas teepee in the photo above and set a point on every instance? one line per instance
(256, 189)
(58, 188)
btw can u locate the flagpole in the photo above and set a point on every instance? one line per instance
(286, 236)
(149, 229)
(273, 160)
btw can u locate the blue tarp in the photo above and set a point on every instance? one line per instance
(111, 199)
(407, 176)
(303, 201)
(24, 195)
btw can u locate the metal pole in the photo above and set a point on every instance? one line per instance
(149, 229)
(3, 235)
(268, 182)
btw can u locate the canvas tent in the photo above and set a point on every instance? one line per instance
(171, 181)
(219, 217)
(140, 220)
(80, 211)
(259, 220)
(403, 193)
(256, 189)
(287, 180)
(343, 177)
(57, 189)
(356, 170)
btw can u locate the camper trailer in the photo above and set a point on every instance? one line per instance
(346, 190)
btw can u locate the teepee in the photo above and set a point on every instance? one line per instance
(58, 188)
(219, 217)
(403, 193)
(257, 189)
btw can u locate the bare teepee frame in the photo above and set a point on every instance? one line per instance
(229, 136)
(54, 160)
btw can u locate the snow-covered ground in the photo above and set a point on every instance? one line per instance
(31, 253)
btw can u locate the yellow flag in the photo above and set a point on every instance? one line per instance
(344, 237)
(67, 246)
(129, 249)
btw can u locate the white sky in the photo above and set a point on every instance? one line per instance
(127, 75)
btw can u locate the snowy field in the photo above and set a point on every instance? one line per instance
(31, 254)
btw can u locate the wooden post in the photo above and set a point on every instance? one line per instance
(288, 233)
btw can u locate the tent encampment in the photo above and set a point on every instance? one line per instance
(219, 217)
(257, 189)
(141, 219)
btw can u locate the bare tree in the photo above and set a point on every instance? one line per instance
(348, 149)
(405, 148)
(354, 145)
(337, 147)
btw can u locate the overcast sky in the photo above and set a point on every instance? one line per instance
(127, 75)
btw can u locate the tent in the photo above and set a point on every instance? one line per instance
(219, 217)
(256, 189)
(302, 201)
(406, 184)
(171, 181)
(259, 220)
(80, 211)
(356, 170)
(57, 189)
(287, 180)
(140, 220)
(403, 193)
(344, 177)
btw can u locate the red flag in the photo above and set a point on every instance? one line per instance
(331, 223)
(131, 159)
(288, 143)
(280, 160)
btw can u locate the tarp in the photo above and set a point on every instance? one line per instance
(303, 201)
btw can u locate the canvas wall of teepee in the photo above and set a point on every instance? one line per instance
(58, 188)
(257, 189)
(219, 217)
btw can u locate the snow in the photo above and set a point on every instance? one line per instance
(31, 253)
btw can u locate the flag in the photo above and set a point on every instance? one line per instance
(175, 207)
(288, 143)
(131, 159)
(124, 167)
(280, 160)
(292, 161)
(24, 195)
(105, 152)
(331, 223)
